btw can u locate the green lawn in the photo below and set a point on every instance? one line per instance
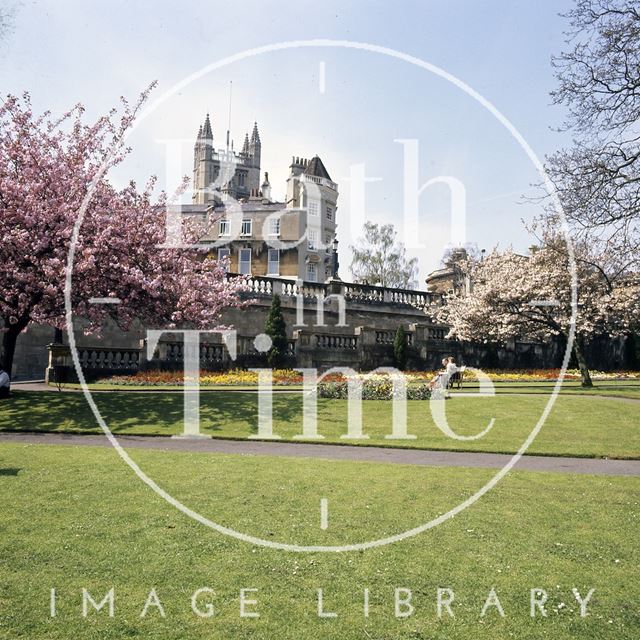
(78, 517)
(616, 388)
(577, 426)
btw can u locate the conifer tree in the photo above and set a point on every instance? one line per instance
(400, 348)
(276, 329)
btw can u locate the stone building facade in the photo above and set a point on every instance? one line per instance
(292, 239)
(450, 278)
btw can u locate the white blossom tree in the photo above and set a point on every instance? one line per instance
(530, 297)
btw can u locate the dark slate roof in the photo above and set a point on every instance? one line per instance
(258, 205)
(251, 205)
(193, 208)
(316, 168)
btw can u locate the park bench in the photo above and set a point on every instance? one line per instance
(457, 378)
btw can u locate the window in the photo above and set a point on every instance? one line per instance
(245, 230)
(274, 227)
(245, 262)
(312, 239)
(329, 213)
(313, 208)
(312, 272)
(273, 263)
(328, 242)
(223, 228)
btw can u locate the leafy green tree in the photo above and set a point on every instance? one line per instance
(380, 260)
(276, 329)
(400, 348)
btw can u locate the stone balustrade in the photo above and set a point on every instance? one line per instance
(108, 358)
(351, 292)
(94, 362)
(367, 348)
(437, 332)
(388, 337)
(332, 341)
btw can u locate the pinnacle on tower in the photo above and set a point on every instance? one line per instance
(207, 132)
(245, 146)
(255, 136)
(199, 136)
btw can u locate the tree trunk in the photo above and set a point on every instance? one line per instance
(578, 345)
(9, 339)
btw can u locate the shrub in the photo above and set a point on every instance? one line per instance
(400, 348)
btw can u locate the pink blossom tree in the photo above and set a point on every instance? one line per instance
(47, 166)
(530, 297)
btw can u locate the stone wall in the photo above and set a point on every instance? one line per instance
(332, 324)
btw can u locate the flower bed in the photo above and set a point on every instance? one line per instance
(236, 377)
(551, 375)
(284, 377)
(372, 389)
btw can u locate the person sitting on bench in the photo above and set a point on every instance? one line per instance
(440, 379)
(453, 372)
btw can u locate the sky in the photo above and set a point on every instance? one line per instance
(352, 112)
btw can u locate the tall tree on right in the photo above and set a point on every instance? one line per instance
(598, 178)
(379, 259)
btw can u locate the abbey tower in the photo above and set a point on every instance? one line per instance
(223, 172)
(294, 239)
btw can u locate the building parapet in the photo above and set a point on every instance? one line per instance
(350, 291)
